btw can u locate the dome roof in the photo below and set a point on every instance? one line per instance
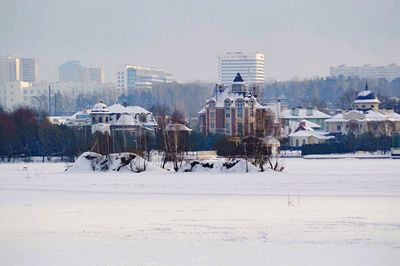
(100, 108)
(366, 95)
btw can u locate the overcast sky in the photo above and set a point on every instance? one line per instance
(299, 38)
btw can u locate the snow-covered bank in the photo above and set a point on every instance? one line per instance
(119, 162)
(316, 212)
(342, 177)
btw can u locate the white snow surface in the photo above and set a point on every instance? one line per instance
(316, 212)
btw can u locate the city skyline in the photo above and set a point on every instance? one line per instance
(298, 39)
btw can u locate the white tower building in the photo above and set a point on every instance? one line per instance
(249, 65)
(9, 68)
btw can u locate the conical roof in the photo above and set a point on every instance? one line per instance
(238, 78)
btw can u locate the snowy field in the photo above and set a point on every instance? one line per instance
(316, 212)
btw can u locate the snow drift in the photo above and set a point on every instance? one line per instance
(91, 161)
(219, 165)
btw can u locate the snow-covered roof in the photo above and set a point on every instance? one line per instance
(303, 114)
(100, 108)
(126, 120)
(137, 110)
(309, 133)
(118, 108)
(368, 116)
(220, 97)
(310, 124)
(366, 95)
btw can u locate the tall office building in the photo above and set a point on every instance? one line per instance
(92, 74)
(9, 68)
(132, 78)
(29, 69)
(19, 69)
(72, 71)
(388, 72)
(249, 65)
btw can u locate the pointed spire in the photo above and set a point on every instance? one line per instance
(238, 78)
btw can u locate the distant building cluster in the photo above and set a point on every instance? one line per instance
(118, 120)
(72, 71)
(249, 65)
(235, 111)
(131, 78)
(388, 72)
(19, 69)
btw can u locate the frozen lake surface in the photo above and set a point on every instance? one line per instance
(317, 212)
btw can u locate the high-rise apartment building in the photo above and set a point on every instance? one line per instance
(29, 69)
(388, 72)
(132, 78)
(9, 68)
(92, 74)
(19, 69)
(72, 71)
(249, 65)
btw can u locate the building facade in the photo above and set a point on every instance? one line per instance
(132, 78)
(14, 94)
(9, 68)
(29, 70)
(22, 69)
(72, 71)
(250, 65)
(388, 72)
(366, 117)
(292, 117)
(235, 111)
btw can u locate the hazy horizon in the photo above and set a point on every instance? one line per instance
(299, 39)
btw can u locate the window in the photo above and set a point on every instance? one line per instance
(93, 120)
(100, 119)
(106, 119)
(297, 143)
(304, 142)
(212, 126)
(251, 103)
(211, 104)
(212, 115)
(227, 128)
(239, 108)
(338, 128)
(227, 108)
(240, 128)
